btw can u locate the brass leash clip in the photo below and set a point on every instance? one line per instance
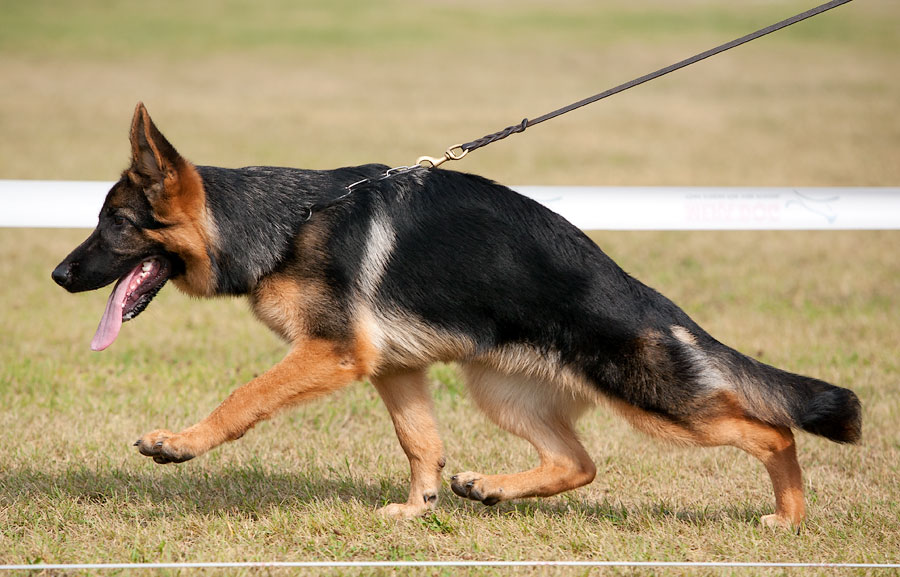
(449, 154)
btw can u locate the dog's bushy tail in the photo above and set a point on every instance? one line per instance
(787, 399)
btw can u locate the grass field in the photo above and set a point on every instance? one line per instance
(347, 82)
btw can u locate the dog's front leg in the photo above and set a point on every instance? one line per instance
(312, 369)
(406, 397)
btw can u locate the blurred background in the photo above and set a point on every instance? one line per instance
(326, 84)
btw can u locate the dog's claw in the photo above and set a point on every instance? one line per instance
(471, 486)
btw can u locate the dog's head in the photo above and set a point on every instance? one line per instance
(152, 227)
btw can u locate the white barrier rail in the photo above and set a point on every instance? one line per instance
(75, 204)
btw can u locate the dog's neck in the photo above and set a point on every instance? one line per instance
(261, 234)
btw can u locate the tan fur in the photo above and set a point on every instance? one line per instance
(774, 447)
(544, 415)
(286, 303)
(726, 423)
(312, 369)
(535, 397)
(406, 397)
(406, 342)
(529, 362)
(653, 424)
(190, 231)
(527, 393)
(283, 302)
(178, 200)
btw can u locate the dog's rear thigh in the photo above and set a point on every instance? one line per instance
(775, 447)
(542, 414)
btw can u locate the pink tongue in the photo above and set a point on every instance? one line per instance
(112, 316)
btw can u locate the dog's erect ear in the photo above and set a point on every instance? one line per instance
(152, 157)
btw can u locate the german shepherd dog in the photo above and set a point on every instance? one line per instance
(427, 266)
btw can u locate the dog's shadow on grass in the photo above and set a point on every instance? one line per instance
(250, 490)
(622, 516)
(254, 491)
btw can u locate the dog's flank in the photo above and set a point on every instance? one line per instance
(438, 266)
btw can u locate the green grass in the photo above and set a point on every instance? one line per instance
(319, 85)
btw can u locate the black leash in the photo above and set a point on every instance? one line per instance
(526, 123)
(458, 151)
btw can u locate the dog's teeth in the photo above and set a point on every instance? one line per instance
(147, 266)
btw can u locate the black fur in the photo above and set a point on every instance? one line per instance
(474, 258)
(499, 267)
(116, 245)
(262, 209)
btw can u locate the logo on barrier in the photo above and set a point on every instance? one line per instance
(823, 207)
(760, 208)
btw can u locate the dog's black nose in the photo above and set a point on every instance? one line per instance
(62, 274)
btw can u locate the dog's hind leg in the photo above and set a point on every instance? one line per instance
(778, 453)
(721, 421)
(406, 397)
(543, 414)
(775, 448)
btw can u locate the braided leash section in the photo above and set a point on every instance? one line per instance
(499, 135)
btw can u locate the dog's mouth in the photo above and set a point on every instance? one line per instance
(129, 298)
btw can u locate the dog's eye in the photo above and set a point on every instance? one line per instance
(120, 221)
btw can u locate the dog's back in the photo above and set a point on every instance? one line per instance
(505, 274)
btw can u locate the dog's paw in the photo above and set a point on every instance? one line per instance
(166, 447)
(404, 510)
(476, 487)
(778, 522)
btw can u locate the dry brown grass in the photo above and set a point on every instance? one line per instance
(306, 484)
(815, 106)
